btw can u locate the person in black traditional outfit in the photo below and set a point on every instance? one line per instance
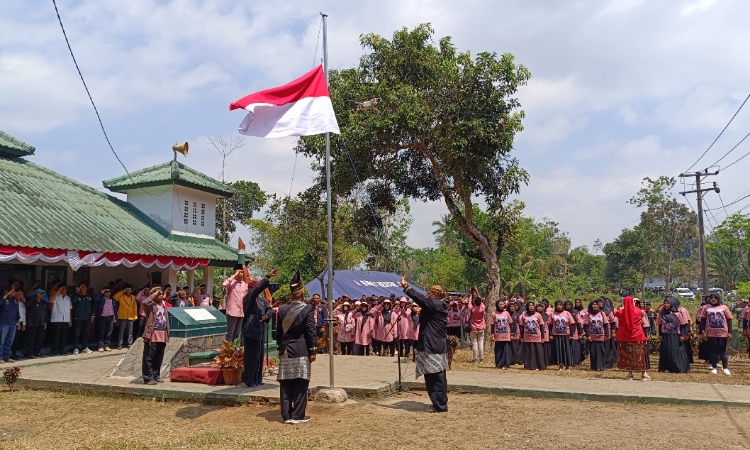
(431, 347)
(257, 312)
(296, 339)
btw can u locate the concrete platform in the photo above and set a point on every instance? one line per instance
(368, 378)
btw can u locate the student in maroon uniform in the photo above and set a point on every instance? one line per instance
(575, 343)
(672, 357)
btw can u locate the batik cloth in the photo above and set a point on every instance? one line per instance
(429, 362)
(631, 356)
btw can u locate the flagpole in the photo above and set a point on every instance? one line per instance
(329, 295)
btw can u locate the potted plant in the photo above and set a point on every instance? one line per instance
(231, 361)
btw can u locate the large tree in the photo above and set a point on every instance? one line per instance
(248, 198)
(443, 127)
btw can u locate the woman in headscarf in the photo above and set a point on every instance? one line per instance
(405, 326)
(685, 330)
(385, 327)
(596, 328)
(346, 324)
(716, 328)
(672, 357)
(414, 318)
(631, 353)
(703, 344)
(541, 308)
(610, 345)
(454, 319)
(500, 325)
(575, 343)
(533, 331)
(362, 330)
(516, 353)
(562, 332)
(646, 327)
(583, 315)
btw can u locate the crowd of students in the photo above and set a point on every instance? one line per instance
(64, 315)
(541, 335)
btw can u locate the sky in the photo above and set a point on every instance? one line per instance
(620, 90)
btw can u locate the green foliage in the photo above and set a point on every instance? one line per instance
(728, 251)
(231, 356)
(443, 127)
(249, 198)
(743, 290)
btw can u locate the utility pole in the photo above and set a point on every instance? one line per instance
(701, 233)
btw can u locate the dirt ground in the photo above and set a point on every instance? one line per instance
(36, 419)
(739, 366)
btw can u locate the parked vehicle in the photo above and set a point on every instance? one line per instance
(684, 293)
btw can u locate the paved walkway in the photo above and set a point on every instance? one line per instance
(371, 377)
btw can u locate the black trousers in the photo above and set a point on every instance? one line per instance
(253, 374)
(404, 346)
(389, 347)
(81, 333)
(346, 348)
(293, 398)
(58, 336)
(104, 327)
(437, 389)
(376, 346)
(153, 354)
(141, 324)
(34, 338)
(717, 350)
(361, 350)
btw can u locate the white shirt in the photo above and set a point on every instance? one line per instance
(61, 309)
(22, 313)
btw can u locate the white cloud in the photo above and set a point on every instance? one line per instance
(620, 90)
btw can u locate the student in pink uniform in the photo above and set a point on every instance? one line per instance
(716, 327)
(345, 334)
(546, 343)
(745, 318)
(596, 327)
(516, 351)
(362, 329)
(155, 336)
(646, 326)
(563, 328)
(533, 330)
(478, 325)
(454, 320)
(405, 327)
(500, 324)
(577, 328)
(583, 314)
(385, 327)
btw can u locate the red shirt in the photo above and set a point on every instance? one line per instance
(477, 317)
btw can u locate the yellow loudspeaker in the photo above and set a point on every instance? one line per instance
(181, 148)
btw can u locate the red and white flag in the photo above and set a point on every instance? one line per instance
(300, 108)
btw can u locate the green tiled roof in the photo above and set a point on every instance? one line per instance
(10, 146)
(43, 209)
(168, 173)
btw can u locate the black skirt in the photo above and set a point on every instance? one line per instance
(547, 352)
(562, 354)
(516, 352)
(597, 353)
(503, 354)
(584, 349)
(454, 331)
(533, 356)
(610, 357)
(575, 352)
(703, 350)
(648, 357)
(672, 355)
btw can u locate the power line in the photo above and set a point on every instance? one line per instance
(722, 132)
(730, 151)
(734, 202)
(70, 49)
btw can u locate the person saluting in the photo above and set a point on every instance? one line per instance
(431, 347)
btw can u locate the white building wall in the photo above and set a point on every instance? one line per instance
(156, 203)
(193, 212)
(178, 208)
